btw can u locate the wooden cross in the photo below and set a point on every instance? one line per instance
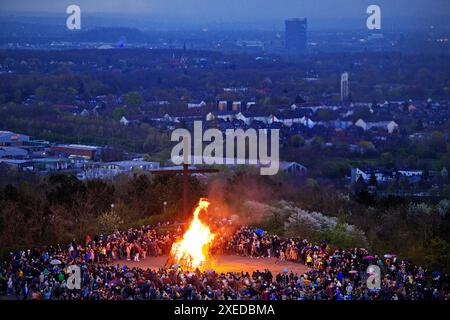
(185, 172)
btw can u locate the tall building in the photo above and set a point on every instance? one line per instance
(296, 34)
(344, 86)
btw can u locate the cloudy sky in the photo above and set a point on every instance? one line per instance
(238, 10)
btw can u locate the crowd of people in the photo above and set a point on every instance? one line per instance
(342, 274)
(42, 274)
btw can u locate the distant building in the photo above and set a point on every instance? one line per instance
(131, 165)
(296, 35)
(236, 89)
(8, 138)
(383, 175)
(290, 168)
(38, 165)
(222, 105)
(124, 121)
(250, 44)
(390, 126)
(236, 106)
(77, 150)
(250, 104)
(130, 120)
(293, 168)
(108, 170)
(362, 124)
(202, 104)
(365, 174)
(13, 152)
(223, 115)
(344, 86)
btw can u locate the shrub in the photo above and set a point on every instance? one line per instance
(109, 221)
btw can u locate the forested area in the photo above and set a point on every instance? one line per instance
(37, 211)
(61, 76)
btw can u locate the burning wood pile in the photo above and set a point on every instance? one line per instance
(191, 251)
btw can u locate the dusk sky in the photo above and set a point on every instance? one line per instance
(198, 11)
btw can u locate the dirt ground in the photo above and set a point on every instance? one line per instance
(226, 263)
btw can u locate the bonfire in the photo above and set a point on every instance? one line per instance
(191, 251)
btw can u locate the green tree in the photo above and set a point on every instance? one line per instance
(297, 141)
(438, 256)
(118, 113)
(147, 157)
(325, 115)
(133, 99)
(41, 91)
(437, 142)
(344, 237)
(18, 96)
(373, 180)
(387, 159)
(109, 221)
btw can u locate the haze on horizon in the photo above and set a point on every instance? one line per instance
(197, 12)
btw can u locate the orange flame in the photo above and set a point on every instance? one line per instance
(192, 249)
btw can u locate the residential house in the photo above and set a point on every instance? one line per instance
(390, 126)
(250, 104)
(130, 120)
(223, 115)
(202, 104)
(384, 175)
(250, 117)
(293, 168)
(365, 174)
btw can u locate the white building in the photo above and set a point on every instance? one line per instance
(390, 126)
(293, 168)
(196, 105)
(108, 170)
